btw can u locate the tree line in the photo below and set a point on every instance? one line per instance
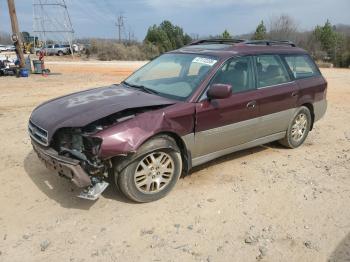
(327, 42)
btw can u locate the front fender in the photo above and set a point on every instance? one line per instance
(126, 137)
(121, 162)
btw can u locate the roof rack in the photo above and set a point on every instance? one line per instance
(217, 41)
(269, 42)
(242, 41)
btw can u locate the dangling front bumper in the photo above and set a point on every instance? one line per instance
(64, 166)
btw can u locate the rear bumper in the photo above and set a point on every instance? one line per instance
(320, 108)
(68, 167)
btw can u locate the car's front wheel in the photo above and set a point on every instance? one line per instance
(298, 128)
(153, 173)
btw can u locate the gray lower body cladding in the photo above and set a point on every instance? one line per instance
(210, 144)
(320, 108)
(67, 167)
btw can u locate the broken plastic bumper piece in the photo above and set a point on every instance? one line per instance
(94, 192)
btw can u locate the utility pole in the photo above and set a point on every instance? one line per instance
(120, 25)
(131, 36)
(16, 37)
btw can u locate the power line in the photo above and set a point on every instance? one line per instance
(120, 25)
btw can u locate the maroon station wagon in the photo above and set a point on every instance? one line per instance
(180, 110)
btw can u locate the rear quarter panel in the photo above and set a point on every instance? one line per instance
(312, 89)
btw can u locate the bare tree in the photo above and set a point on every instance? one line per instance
(283, 28)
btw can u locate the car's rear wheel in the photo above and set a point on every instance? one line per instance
(298, 129)
(153, 173)
(60, 53)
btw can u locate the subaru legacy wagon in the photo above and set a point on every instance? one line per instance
(182, 109)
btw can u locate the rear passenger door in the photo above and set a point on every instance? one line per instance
(278, 94)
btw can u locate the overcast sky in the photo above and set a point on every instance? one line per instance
(96, 18)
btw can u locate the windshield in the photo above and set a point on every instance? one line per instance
(173, 76)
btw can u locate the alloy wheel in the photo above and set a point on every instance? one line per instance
(154, 172)
(299, 127)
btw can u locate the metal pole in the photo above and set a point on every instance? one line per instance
(15, 31)
(120, 25)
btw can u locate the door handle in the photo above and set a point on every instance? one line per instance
(251, 104)
(294, 93)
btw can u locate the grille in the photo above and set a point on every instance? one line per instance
(38, 134)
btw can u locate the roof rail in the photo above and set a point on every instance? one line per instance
(217, 41)
(247, 42)
(269, 42)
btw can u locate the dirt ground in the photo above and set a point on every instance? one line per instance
(267, 203)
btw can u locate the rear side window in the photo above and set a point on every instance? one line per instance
(271, 71)
(301, 66)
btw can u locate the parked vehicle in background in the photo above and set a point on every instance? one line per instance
(55, 49)
(3, 48)
(182, 109)
(68, 48)
(10, 48)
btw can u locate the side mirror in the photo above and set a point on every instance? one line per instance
(219, 91)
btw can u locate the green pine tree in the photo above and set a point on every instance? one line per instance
(327, 36)
(260, 32)
(167, 36)
(226, 35)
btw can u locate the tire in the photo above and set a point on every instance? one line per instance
(297, 132)
(145, 179)
(60, 53)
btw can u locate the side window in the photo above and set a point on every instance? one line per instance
(271, 71)
(301, 66)
(236, 72)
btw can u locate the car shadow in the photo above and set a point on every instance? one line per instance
(342, 251)
(65, 193)
(112, 192)
(62, 190)
(235, 155)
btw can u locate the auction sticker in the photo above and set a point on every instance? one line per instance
(204, 60)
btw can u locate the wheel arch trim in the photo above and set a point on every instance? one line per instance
(122, 161)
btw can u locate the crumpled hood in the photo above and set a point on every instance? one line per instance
(82, 108)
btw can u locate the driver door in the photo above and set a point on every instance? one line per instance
(225, 123)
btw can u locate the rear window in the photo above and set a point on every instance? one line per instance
(301, 66)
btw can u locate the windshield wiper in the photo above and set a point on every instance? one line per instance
(142, 87)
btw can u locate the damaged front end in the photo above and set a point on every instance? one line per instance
(74, 153)
(76, 143)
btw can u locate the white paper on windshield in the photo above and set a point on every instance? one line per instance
(204, 61)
